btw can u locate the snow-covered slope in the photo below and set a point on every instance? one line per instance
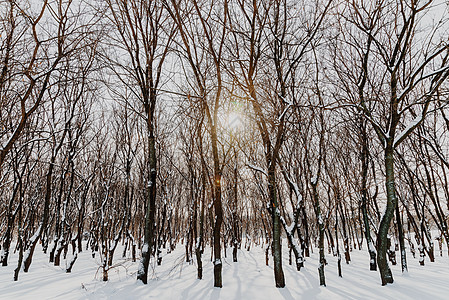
(249, 278)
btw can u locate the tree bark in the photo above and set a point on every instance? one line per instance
(401, 240)
(277, 252)
(364, 200)
(382, 244)
(142, 273)
(320, 224)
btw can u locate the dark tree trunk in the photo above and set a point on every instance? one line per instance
(7, 240)
(147, 249)
(320, 223)
(72, 262)
(338, 248)
(345, 234)
(20, 244)
(199, 244)
(275, 213)
(35, 238)
(218, 210)
(19, 262)
(267, 250)
(216, 232)
(299, 260)
(305, 225)
(401, 240)
(10, 224)
(382, 242)
(364, 202)
(235, 221)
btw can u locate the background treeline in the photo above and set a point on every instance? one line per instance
(229, 124)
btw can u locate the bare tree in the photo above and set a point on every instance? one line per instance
(31, 56)
(143, 32)
(408, 77)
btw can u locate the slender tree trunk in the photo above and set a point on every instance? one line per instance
(382, 243)
(216, 232)
(277, 252)
(305, 225)
(7, 239)
(345, 234)
(199, 244)
(35, 238)
(364, 202)
(198, 250)
(235, 222)
(142, 272)
(401, 240)
(338, 248)
(320, 223)
(19, 262)
(10, 224)
(218, 210)
(20, 243)
(299, 260)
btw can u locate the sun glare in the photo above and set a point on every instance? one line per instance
(235, 121)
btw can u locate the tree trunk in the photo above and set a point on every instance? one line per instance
(20, 244)
(382, 242)
(199, 244)
(142, 272)
(19, 262)
(299, 260)
(338, 248)
(277, 253)
(401, 240)
(320, 224)
(305, 225)
(217, 227)
(7, 239)
(35, 238)
(11, 217)
(235, 222)
(345, 234)
(364, 204)
(218, 210)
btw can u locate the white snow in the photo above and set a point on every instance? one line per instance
(371, 247)
(285, 111)
(256, 168)
(249, 278)
(291, 227)
(409, 127)
(35, 235)
(320, 219)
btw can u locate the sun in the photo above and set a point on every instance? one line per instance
(235, 121)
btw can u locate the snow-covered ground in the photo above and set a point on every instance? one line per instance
(249, 278)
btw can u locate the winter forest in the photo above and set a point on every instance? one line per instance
(151, 142)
